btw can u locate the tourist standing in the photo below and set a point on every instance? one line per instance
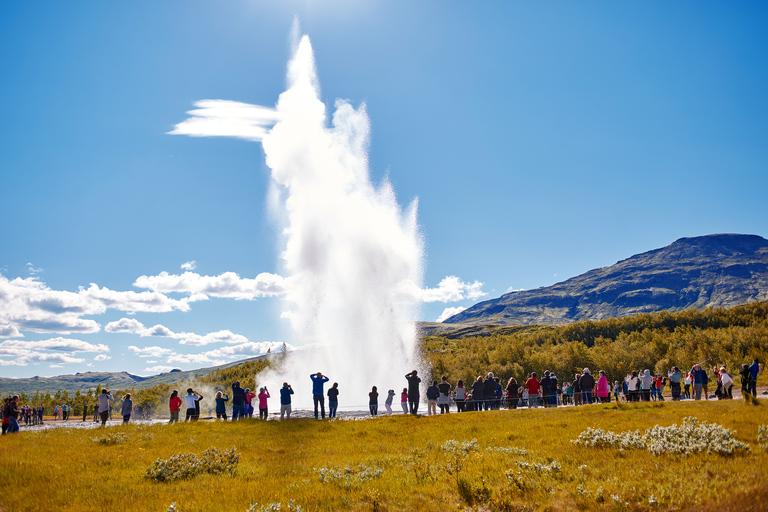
(460, 395)
(373, 401)
(104, 405)
(263, 395)
(190, 401)
(238, 401)
(127, 408)
(12, 411)
(221, 406)
(674, 382)
(285, 400)
(388, 401)
(646, 380)
(512, 390)
(404, 400)
(333, 400)
(413, 391)
(533, 386)
(577, 396)
(587, 384)
(174, 405)
(603, 392)
(477, 393)
(432, 393)
(318, 379)
(443, 400)
(754, 369)
(489, 391)
(698, 376)
(248, 405)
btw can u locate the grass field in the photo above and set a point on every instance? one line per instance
(522, 460)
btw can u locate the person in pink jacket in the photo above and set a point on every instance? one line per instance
(263, 395)
(603, 391)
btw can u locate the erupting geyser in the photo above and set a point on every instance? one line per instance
(351, 253)
(352, 256)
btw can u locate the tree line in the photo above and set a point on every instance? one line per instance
(656, 341)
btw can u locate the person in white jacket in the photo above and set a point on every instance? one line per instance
(727, 382)
(645, 385)
(104, 400)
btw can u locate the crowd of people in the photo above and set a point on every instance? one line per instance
(483, 394)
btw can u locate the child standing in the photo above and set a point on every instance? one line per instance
(404, 400)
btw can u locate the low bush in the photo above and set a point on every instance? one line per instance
(692, 437)
(188, 465)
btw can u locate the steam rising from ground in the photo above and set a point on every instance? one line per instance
(351, 253)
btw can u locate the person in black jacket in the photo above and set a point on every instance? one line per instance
(433, 392)
(512, 390)
(413, 391)
(489, 391)
(12, 409)
(587, 384)
(238, 401)
(546, 389)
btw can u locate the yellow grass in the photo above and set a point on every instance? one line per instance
(65, 469)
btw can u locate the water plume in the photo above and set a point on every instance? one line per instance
(350, 250)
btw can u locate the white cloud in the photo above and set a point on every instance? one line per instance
(511, 289)
(228, 353)
(56, 351)
(158, 369)
(32, 270)
(223, 118)
(27, 304)
(101, 357)
(150, 351)
(58, 344)
(190, 265)
(449, 312)
(159, 331)
(187, 338)
(228, 284)
(450, 289)
(130, 325)
(224, 336)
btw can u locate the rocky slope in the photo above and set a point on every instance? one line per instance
(707, 271)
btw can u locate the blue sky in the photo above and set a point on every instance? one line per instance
(542, 139)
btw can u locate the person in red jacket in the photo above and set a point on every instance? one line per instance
(533, 386)
(174, 404)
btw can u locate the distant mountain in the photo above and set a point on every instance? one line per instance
(116, 380)
(707, 271)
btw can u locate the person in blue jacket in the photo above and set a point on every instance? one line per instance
(318, 379)
(285, 400)
(238, 401)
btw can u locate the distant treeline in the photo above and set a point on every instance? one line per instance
(656, 341)
(156, 396)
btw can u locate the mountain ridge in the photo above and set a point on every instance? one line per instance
(719, 270)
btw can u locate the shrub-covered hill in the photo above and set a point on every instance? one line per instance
(655, 341)
(701, 272)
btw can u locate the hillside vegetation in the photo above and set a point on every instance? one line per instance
(656, 341)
